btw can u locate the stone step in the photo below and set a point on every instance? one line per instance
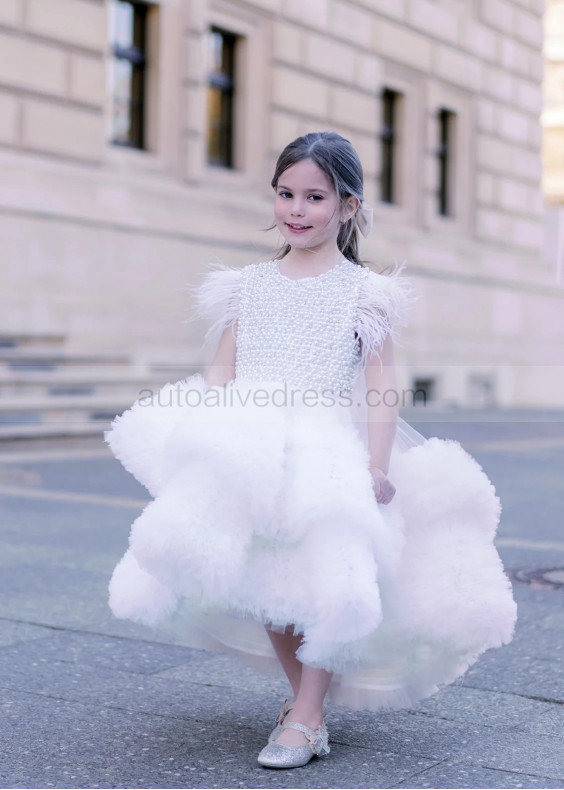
(65, 414)
(37, 341)
(45, 391)
(18, 358)
(54, 384)
(60, 409)
(53, 430)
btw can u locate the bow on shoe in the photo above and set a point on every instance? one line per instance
(318, 742)
(286, 708)
(364, 218)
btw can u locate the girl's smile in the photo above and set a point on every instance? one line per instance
(298, 228)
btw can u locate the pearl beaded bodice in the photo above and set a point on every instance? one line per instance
(300, 331)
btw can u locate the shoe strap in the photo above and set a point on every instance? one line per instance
(287, 707)
(317, 739)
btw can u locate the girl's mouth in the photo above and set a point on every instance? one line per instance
(297, 228)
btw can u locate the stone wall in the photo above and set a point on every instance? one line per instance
(52, 77)
(100, 241)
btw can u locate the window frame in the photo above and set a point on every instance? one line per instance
(446, 155)
(389, 148)
(136, 56)
(252, 85)
(226, 83)
(407, 210)
(463, 181)
(162, 106)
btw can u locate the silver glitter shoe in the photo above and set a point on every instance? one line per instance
(286, 708)
(278, 755)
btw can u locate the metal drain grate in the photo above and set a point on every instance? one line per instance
(550, 578)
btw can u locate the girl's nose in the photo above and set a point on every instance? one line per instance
(297, 209)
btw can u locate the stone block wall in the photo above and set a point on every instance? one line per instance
(99, 241)
(52, 77)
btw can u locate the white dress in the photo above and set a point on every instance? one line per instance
(264, 511)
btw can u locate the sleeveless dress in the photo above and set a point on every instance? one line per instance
(263, 510)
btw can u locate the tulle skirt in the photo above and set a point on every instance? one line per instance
(264, 515)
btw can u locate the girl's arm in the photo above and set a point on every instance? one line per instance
(222, 367)
(381, 413)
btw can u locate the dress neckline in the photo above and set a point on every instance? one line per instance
(312, 277)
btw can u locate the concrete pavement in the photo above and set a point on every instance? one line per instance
(90, 701)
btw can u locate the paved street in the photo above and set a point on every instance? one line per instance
(90, 701)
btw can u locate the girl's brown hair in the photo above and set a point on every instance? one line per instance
(336, 157)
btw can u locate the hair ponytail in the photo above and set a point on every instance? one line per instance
(347, 241)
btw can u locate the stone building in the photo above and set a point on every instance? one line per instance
(553, 122)
(137, 142)
(553, 115)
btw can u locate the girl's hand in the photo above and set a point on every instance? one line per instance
(384, 489)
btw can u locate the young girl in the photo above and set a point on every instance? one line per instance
(300, 522)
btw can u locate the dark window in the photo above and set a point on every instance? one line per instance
(221, 96)
(481, 389)
(424, 391)
(129, 65)
(445, 155)
(388, 137)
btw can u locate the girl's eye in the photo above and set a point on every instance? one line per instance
(285, 194)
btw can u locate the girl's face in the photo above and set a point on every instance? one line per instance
(306, 207)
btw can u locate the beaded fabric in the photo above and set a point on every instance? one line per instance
(300, 331)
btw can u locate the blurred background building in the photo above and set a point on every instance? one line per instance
(137, 143)
(553, 123)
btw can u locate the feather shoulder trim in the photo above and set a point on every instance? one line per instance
(383, 304)
(217, 298)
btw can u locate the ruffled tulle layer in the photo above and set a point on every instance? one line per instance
(264, 513)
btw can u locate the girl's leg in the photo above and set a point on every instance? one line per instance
(285, 646)
(309, 684)
(308, 704)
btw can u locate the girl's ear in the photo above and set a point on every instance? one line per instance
(350, 207)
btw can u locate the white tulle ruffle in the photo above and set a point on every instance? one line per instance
(265, 514)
